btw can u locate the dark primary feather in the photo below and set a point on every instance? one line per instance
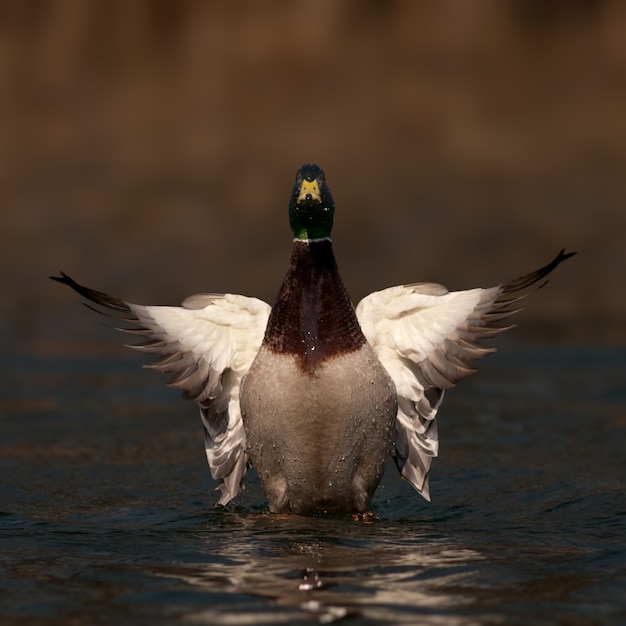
(98, 297)
(533, 277)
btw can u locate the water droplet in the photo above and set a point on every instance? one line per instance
(311, 581)
(330, 483)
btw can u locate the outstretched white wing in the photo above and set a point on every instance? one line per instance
(207, 345)
(428, 339)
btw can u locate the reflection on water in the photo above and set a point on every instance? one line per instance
(106, 509)
(335, 568)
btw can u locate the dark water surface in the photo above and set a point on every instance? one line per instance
(106, 508)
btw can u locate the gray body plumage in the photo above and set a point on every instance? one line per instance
(318, 440)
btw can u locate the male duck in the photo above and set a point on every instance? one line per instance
(313, 392)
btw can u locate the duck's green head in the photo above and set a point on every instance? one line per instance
(311, 208)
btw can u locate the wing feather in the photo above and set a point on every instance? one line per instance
(428, 339)
(207, 346)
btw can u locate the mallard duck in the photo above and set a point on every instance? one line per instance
(313, 392)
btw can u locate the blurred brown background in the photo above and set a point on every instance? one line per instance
(148, 149)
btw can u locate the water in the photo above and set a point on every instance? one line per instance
(106, 508)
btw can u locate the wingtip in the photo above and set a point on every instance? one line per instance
(99, 297)
(562, 256)
(558, 259)
(523, 282)
(63, 278)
